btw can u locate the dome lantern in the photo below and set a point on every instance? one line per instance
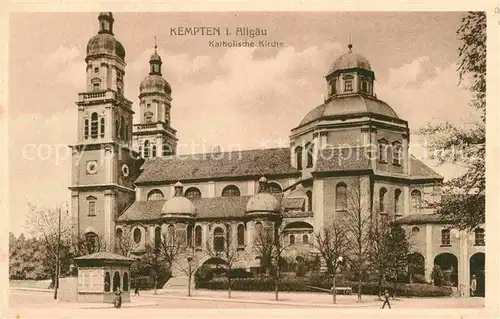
(106, 22)
(104, 43)
(350, 74)
(155, 63)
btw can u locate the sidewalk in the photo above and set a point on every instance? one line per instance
(267, 297)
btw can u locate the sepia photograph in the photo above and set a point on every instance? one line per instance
(260, 160)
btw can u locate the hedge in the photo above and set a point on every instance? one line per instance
(303, 285)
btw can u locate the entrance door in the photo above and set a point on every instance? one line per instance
(477, 270)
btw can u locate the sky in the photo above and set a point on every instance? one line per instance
(251, 97)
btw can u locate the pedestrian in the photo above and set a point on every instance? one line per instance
(386, 299)
(473, 285)
(118, 298)
(136, 290)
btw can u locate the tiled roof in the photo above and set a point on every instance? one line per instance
(343, 159)
(289, 203)
(274, 161)
(217, 207)
(422, 219)
(104, 256)
(418, 170)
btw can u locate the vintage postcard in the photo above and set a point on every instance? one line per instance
(320, 158)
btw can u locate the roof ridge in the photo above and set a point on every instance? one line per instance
(216, 153)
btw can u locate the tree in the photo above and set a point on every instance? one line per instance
(380, 253)
(398, 247)
(226, 250)
(332, 245)
(157, 265)
(357, 222)
(124, 243)
(464, 205)
(53, 227)
(270, 244)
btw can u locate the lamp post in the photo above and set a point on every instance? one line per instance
(58, 256)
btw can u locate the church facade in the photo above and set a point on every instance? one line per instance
(128, 179)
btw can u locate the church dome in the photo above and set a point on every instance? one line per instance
(178, 205)
(349, 105)
(350, 60)
(155, 83)
(105, 43)
(263, 201)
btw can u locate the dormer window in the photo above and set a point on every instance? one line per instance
(348, 86)
(364, 86)
(397, 153)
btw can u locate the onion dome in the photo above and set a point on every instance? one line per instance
(263, 201)
(104, 42)
(154, 82)
(178, 206)
(350, 60)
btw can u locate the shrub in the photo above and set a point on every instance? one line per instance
(204, 273)
(437, 276)
(308, 285)
(300, 269)
(240, 273)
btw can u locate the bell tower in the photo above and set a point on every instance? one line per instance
(104, 164)
(154, 135)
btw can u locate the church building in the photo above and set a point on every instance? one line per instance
(127, 179)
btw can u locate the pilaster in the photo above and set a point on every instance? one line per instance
(211, 189)
(429, 260)
(463, 265)
(109, 219)
(318, 208)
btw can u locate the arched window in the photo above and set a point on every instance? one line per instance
(309, 195)
(102, 126)
(292, 239)
(155, 194)
(479, 237)
(218, 239)
(192, 193)
(274, 188)
(157, 237)
(397, 202)
(147, 149)
(397, 153)
(415, 230)
(310, 152)
(305, 239)
(241, 235)
(116, 281)
(341, 197)
(230, 190)
(153, 151)
(94, 125)
(416, 201)
(86, 129)
(137, 235)
(107, 282)
(166, 150)
(189, 231)
(125, 281)
(171, 233)
(91, 242)
(197, 236)
(258, 229)
(91, 200)
(381, 199)
(298, 157)
(382, 151)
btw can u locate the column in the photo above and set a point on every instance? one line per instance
(211, 189)
(318, 205)
(234, 235)
(374, 148)
(249, 229)
(464, 265)
(108, 219)
(113, 78)
(151, 232)
(429, 260)
(365, 136)
(205, 235)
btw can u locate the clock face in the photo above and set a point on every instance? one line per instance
(92, 167)
(125, 170)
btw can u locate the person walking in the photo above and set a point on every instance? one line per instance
(118, 298)
(136, 290)
(386, 299)
(473, 286)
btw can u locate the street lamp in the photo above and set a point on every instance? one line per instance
(58, 256)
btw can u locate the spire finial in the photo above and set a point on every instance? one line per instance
(350, 42)
(155, 44)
